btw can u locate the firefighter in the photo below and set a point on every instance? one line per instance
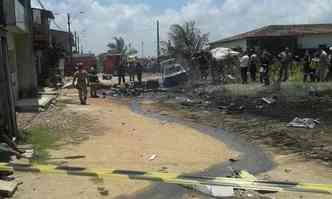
(80, 81)
(93, 81)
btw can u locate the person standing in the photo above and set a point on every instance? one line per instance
(253, 65)
(286, 61)
(307, 72)
(80, 81)
(265, 61)
(323, 65)
(139, 72)
(244, 64)
(93, 81)
(121, 73)
(131, 71)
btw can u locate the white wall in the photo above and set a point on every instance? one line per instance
(313, 41)
(233, 44)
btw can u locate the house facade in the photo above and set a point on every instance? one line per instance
(18, 18)
(275, 38)
(8, 126)
(42, 42)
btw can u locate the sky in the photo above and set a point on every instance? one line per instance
(98, 21)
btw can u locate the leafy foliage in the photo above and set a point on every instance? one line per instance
(119, 46)
(185, 40)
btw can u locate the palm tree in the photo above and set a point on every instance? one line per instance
(186, 41)
(119, 46)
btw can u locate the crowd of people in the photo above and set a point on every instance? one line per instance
(315, 65)
(133, 69)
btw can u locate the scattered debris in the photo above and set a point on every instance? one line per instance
(231, 77)
(303, 123)
(103, 191)
(215, 191)
(234, 159)
(269, 100)
(152, 157)
(7, 189)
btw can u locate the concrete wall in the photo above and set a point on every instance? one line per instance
(26, 70)
(232, 44)
(313, 41)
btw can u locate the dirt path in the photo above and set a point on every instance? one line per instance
(122, 139)
(288, 166)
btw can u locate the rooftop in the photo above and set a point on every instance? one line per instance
(282, 30)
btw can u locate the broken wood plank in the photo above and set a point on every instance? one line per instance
(7, 189)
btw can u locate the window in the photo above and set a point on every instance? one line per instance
(37, 16)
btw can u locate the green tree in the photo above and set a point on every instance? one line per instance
(185, 40)
(119, 46)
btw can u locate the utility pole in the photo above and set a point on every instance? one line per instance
(75, 39)
(142, 48)
(78, 44)
(70, 41)
(158, 43)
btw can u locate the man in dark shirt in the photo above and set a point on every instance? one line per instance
(122, 73)
(139, 72)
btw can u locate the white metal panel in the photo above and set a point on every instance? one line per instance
(234, 44)
(313, 41)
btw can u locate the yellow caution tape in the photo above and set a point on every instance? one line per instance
(248, 183)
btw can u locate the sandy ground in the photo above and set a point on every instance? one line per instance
(293, 168)
(122, 139)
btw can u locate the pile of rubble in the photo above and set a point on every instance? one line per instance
(133, 89)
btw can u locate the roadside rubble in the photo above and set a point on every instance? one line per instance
(133, 89)
(303, 123)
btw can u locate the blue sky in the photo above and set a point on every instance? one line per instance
(134, 20)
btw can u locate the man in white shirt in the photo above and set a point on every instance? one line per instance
(244, 64)
(323, 65)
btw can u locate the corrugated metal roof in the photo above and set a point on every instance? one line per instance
(282, 30)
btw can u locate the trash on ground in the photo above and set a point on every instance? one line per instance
(303, 123)
(215, 191)
(269, 100)
(231, 77)
(103, 191)
(152, 157)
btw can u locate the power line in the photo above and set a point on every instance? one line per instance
(41, 5)
(57, 25)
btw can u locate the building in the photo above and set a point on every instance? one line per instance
(8, 126)
(275, 38)
(23, 73)
(61, 39)
(42, 42)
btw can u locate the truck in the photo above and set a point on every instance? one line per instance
(110, 64)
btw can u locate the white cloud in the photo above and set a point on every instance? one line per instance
(136, 21)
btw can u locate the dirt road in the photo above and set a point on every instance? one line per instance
(122, 139)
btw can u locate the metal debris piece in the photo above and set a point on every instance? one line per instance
(303, 123)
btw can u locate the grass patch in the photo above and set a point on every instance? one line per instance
(42, 139)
